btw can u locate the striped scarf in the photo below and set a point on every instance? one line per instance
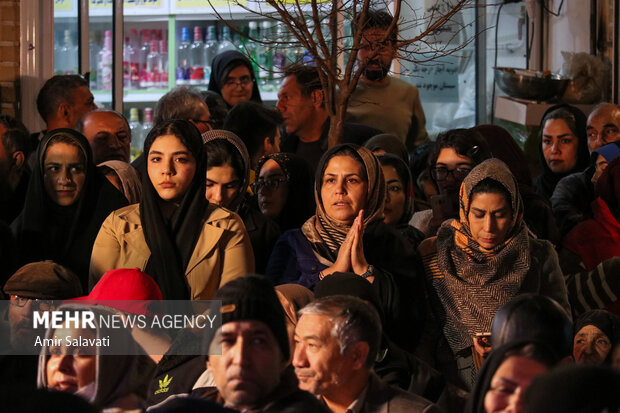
(474, 282)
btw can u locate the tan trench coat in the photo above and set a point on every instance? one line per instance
(223, 251)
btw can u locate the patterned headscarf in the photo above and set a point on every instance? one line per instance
(478, 281)
(327, 234)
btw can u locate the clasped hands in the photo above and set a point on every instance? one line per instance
(351, 253)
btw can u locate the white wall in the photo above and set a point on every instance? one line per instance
(568, 32)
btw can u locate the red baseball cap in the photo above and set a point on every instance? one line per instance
(131, 290)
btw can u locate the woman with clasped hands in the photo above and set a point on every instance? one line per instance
(347, 234)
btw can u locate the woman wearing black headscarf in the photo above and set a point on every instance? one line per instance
(507, 373)
(232, 76)
(290, 201)
(595, 332)
(564, 146)
(189, 246)
(399, 202)
(66, 202)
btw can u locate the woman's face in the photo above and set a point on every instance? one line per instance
(343, 188)
(451, 169)
(509, 383)
(67, 370)
(171, 167)
(64, 173)
(559, 146)
(222, 185)
(490, 219)
(395, 200)
(591, 345)
(273, 189)
(237, 86)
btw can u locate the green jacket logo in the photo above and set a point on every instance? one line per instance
(164, 385)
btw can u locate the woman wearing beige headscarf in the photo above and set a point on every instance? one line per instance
(124, 177)
(347, 234)
(478, 263)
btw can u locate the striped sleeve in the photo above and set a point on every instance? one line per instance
(598, 288)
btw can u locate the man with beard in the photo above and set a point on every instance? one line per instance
(380, 100)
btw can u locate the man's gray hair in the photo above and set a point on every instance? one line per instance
(354, 320)
(181, 102)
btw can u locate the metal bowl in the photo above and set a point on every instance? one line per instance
(530, 84)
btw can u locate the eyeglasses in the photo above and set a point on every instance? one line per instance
(440, 173)
(243, 82)
(267, 184)
(43, 305)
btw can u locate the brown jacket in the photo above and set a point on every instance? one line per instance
(223, 251)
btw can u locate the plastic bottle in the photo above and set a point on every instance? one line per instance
(279, 58)
(226, 42)
(94, 50)
(67, 62)
(153, 77)
(294, 51)
(183, 58)
(131, 76)
(197, 59)
(264, 56)
(210, 49)
(137, 141)
(148, 123)
(163, 65)
(105, 64)
(251, 45)
(145, 49)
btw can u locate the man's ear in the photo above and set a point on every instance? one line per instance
(317, 98)
(64, 112)
(18, 159)
(359, 354)
(267, 147)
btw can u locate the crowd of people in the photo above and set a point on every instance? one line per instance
(387, 273)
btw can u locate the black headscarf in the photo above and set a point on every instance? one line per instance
(533, 317)
(172, 242)
(545, 183)
(226, 61)
(605, 321)
(65, 234)
(475, 403)
(299, 205)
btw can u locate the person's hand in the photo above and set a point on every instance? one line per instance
(482, 345)
(343, 260)
(358, 260)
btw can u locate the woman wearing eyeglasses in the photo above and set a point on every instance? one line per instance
(284, 189)
(479, 262)
(232, 76)
(347, 234)
(454, 154)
